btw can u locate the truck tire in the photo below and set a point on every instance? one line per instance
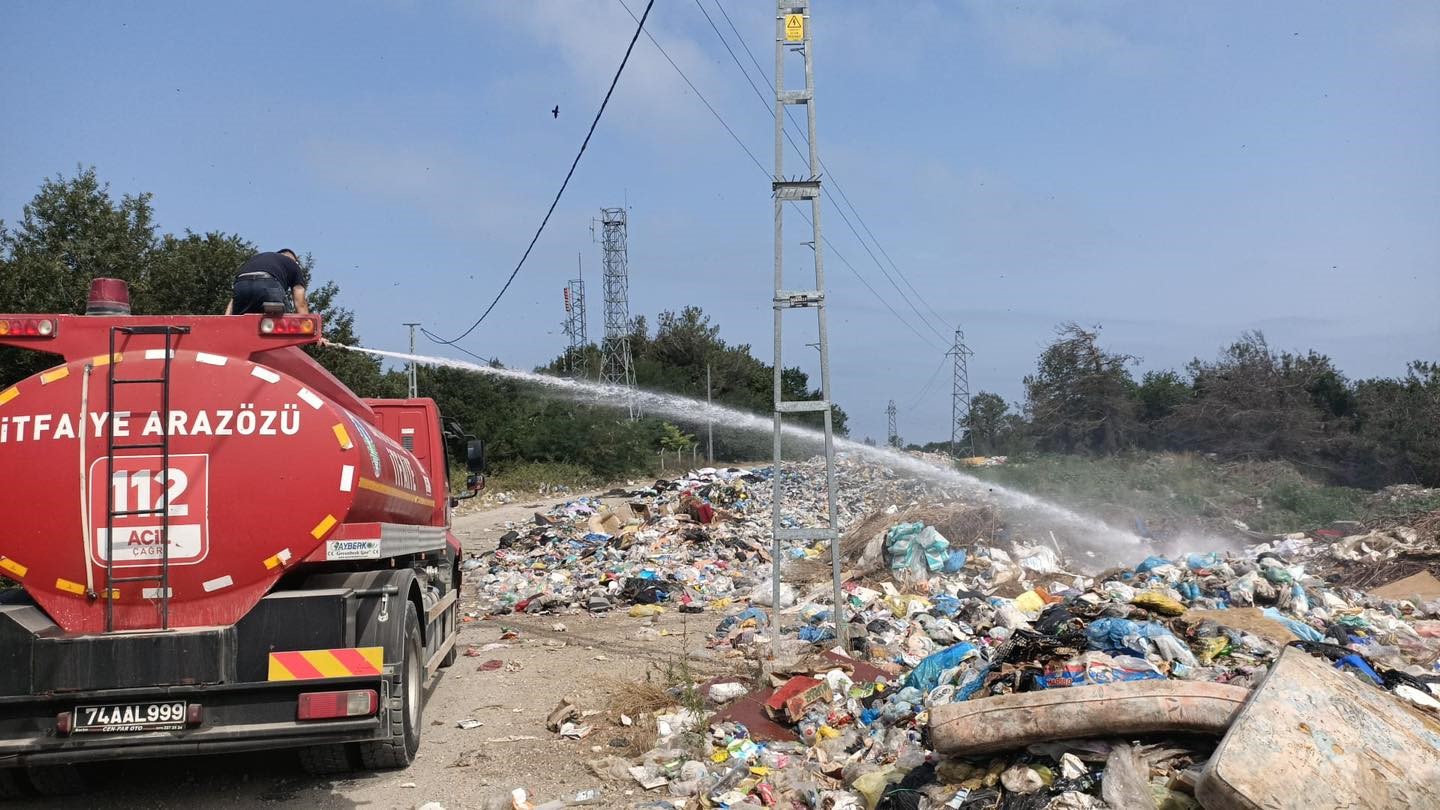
(326, 760)
(56, 780)
(407, 701)
(11, 784)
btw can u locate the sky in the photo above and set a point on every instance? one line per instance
(1173, 172)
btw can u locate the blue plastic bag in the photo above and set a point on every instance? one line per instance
(1151, 563)
(917, 547)
(945, 605)
(926, 675)
(955, 561)
(814, 634)
(1300, 629)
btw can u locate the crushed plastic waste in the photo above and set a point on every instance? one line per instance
(946, 602)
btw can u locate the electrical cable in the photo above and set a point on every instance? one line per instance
(832, 179)
(829, 246)
(640, 26)
(923, 391)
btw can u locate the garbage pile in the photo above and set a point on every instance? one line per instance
(696, 542)
(988, 671)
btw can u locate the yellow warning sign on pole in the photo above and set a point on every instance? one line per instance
(794, 27)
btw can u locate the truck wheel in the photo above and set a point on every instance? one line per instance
(407, 700)
(57, 780)
(326, 760)
(11, 786)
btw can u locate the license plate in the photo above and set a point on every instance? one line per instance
(125, 717)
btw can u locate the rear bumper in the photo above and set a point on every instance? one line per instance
(235, 717)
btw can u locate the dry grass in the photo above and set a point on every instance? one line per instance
(634, 699)
(640, 702)
(960, 523)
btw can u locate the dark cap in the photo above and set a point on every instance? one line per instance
(288, 250)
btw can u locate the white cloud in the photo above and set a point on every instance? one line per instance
(1050, 35)
(589, 39)
(462, 194)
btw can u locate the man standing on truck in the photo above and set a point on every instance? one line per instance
(266, 278)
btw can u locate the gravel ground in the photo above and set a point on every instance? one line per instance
(458, 768)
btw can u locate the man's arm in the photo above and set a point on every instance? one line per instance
(302, 306)
(230, 307)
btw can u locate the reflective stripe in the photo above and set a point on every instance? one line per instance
(323, 527)
(71, 587)
(314, 664)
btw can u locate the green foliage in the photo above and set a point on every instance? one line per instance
(674, 360)
(74, 231)
(1250, 403)
(1080, 398)
(1183, 491)
(530, 476)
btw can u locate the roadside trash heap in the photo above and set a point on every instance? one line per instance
(984, 670)
(690, 544)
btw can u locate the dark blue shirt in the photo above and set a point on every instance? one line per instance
(278, 266)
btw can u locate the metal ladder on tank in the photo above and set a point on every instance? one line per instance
(162, 579)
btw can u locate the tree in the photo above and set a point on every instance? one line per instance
(1079, 398)
(986, 425)
(1157, 397)
(1399, 420)
(191, 273)
(1256, 403)
(71, 232)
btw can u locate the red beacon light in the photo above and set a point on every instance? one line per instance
(108, 296)
(288, 325)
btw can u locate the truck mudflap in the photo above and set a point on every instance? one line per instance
(138, 723)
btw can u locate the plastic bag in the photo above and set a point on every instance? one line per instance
(1159, 603)
(926, 675)
(1141, 637)
(916, 548)
(955, 561)
(1300, 629)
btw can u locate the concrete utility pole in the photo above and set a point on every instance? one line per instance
(616, 367)
(792, 36)
(960, 394)
(892, 436)
(709, 420)
(413, 390)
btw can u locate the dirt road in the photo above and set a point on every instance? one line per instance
(458, 768)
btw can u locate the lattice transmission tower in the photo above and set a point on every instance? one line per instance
(575, 323)
(892, 435)
(960, 394)
(617, 367)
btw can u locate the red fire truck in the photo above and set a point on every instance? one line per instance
(219, 547)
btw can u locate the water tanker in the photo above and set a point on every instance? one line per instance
(218, 545)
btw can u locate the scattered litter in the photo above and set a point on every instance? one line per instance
(468, 724)
(979, 634)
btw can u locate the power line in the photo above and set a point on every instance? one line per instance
(825, 239)
(830, 175)
(640, 26)
(696, 91)
(923, 391)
